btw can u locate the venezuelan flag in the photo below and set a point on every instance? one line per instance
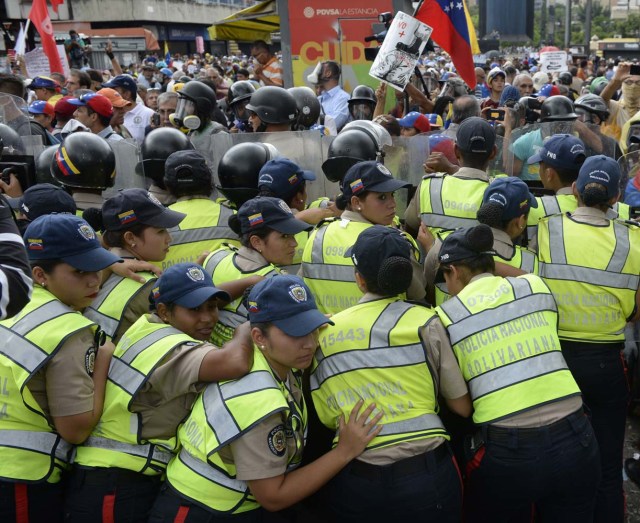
(453, 32)
(65, 164)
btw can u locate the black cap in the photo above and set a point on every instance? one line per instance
(272, 213)
(375, 245)
(464, 244)
(187, 161)
(44, 198)
(369, 176)
(475, 135)
(132, 206)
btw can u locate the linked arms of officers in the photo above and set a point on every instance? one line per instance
(232, 361)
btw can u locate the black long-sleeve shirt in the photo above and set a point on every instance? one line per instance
(15, 273)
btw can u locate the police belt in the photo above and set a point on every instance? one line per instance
(405, 467)
(513, 435)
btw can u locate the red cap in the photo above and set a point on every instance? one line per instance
(96, 102)
(64, 108)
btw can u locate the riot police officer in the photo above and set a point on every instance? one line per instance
(196, 102)
(239, 169)
(157, 146)
(272, 109)
(86, 165)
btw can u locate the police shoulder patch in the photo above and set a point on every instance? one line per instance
(90, 360)
(276, 441)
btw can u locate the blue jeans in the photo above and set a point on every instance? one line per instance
(555, 469)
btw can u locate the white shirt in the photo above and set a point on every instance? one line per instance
(137, 120)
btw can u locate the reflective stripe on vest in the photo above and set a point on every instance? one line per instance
(393, 352)
(41, 442)
(213, 399)
(517, 372)
(148, 451)
(221, 414)
(123, 374)
(222, 268)
(181, 237)
(211, 473)
(466, 324)
(437, 217)
(558, 269)
(551, 205)
(215, 258)
(30, 449)
(109, 307)
(118, 440)
(509, 354)
(528, 261)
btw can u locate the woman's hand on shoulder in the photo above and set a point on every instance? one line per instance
(129, 268)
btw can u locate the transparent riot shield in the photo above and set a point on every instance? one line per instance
(405, 159)
(595, 142)
(306, 148)
(629, 169)
(19, 147)
(127, 158)
(526, 141)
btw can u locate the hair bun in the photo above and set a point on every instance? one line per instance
(480, 238)
(93, 217)
(234, 224)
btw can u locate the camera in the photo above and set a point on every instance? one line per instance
(531, 105)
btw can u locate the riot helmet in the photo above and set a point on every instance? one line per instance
(84, 160)
(565, 78)
(358, 141)
(591, 104)
(196, 101)
(43, 166)
(273, 105)
(238, 97)
(557, 109)
(157, 146)
(239, 170)
(11, 141)
(308, 106)
(362, 103)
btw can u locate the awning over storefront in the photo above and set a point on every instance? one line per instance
(253, 23)
(151, 42)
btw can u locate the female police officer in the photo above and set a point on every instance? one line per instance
(538, 444)
(505, 208)
(373, 351)
(591, 264)
(52, 370)
(368, 199)
(159, 366)
(283, 179)
(135, 226)
(267, 229)
(244, 438)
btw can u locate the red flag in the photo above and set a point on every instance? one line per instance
(39, 16)
(451, 33)
(55, 4)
